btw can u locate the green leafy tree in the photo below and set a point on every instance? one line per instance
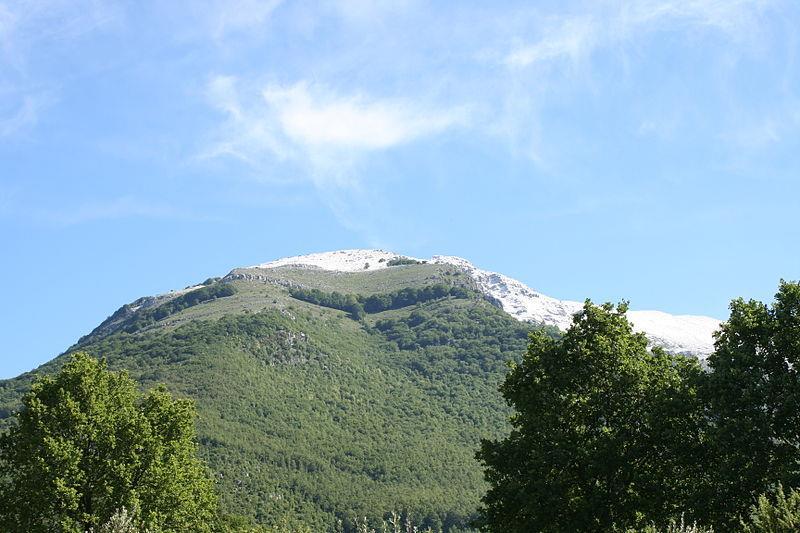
(780, 514)
(605, 434)
(754, 403)
(86, 444)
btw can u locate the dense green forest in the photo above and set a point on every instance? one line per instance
(358, 305)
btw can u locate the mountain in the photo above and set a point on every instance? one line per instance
(345, 384)
(682, 334)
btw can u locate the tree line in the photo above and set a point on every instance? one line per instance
(358, 305)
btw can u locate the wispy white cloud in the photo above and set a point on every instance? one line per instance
(227, 17)
(24, 112)
(16, 204)
(8, 22)
(313, 124)
(24, 27)
(319, 118)
(322, 137)
(569, 39)
(765, 132)
(659, 127)
(120, 208)
(250, 132)
(751, 132)
(575, 37)
(26, 24)
(731, 16)
(555, 54)
(371, 10)
(220, 23)
(8, 197)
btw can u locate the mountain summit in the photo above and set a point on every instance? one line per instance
(683, 334)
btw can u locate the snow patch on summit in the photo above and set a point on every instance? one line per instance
(339, 261)
(685, 334)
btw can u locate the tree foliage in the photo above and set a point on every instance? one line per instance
(598, 421)
(334, 300)
(400, 261)
(194, 297)
(753, 394)
(358, 305)
(779, 513)
(86, 444)
(608, 434)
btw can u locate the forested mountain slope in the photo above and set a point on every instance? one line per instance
(313, 412)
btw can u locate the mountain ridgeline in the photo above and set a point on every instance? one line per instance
(326, 396)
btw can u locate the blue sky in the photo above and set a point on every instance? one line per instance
(645, 150)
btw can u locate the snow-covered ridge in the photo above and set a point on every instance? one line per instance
(687, 334)
(339, 261)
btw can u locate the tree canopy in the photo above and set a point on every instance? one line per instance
(610, 434)
(357, 305)
(597, 418)
(753, 396)
(86, 444)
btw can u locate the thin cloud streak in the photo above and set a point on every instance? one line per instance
(25, 27)
(730, 16)
(241, 15)
(576, 37)
(26, 113)
(26, 24)
(249, 133)
(571, 39)
(371, 12)
(566, 50)
(121, 208)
